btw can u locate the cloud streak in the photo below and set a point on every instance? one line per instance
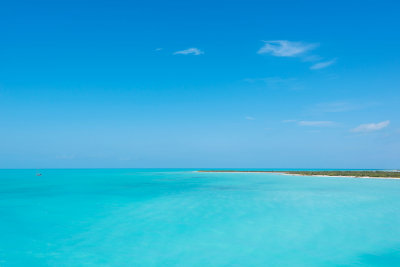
(322, 65)
(370, 127)
(284, 48)
(316, 123)
(190, 51)
(311, 123)
(250, 118)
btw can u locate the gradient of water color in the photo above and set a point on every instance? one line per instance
(126, 217)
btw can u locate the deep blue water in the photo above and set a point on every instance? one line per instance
(128, 217)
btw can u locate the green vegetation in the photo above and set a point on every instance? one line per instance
(382, 174)
(375, 174)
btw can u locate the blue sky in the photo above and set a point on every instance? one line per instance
(246, 84)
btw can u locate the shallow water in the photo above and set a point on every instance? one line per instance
(125, 217)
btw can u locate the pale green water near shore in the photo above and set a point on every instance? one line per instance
(128, 217)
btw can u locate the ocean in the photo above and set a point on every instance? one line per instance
(173, 217)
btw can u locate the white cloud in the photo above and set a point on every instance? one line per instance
(371, 127)
(315, 123)
(284, 48)
(190, 51)
(311, 123)
(158, 49)
(250, 118)
(324, 64)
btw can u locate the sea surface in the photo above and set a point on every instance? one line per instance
(137, 217)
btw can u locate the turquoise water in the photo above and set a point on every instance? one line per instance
(182, 218)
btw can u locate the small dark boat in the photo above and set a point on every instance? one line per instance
(38, 174)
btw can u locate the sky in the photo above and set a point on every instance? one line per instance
(200, 84)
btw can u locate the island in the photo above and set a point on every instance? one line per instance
(395, 174)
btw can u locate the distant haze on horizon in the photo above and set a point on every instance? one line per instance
(210, 84)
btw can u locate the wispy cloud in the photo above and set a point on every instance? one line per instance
(158, 49)
(284, 48)
(322, 65)
(302, 50)
(316, 123)
(190, 51)
(371, 127)
(250, 118)
(310, 123)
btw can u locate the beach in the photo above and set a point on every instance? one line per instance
(299, 174)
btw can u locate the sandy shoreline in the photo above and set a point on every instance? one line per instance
(338, 176)
(314, 175)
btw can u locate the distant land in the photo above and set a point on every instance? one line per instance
(354, 174)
